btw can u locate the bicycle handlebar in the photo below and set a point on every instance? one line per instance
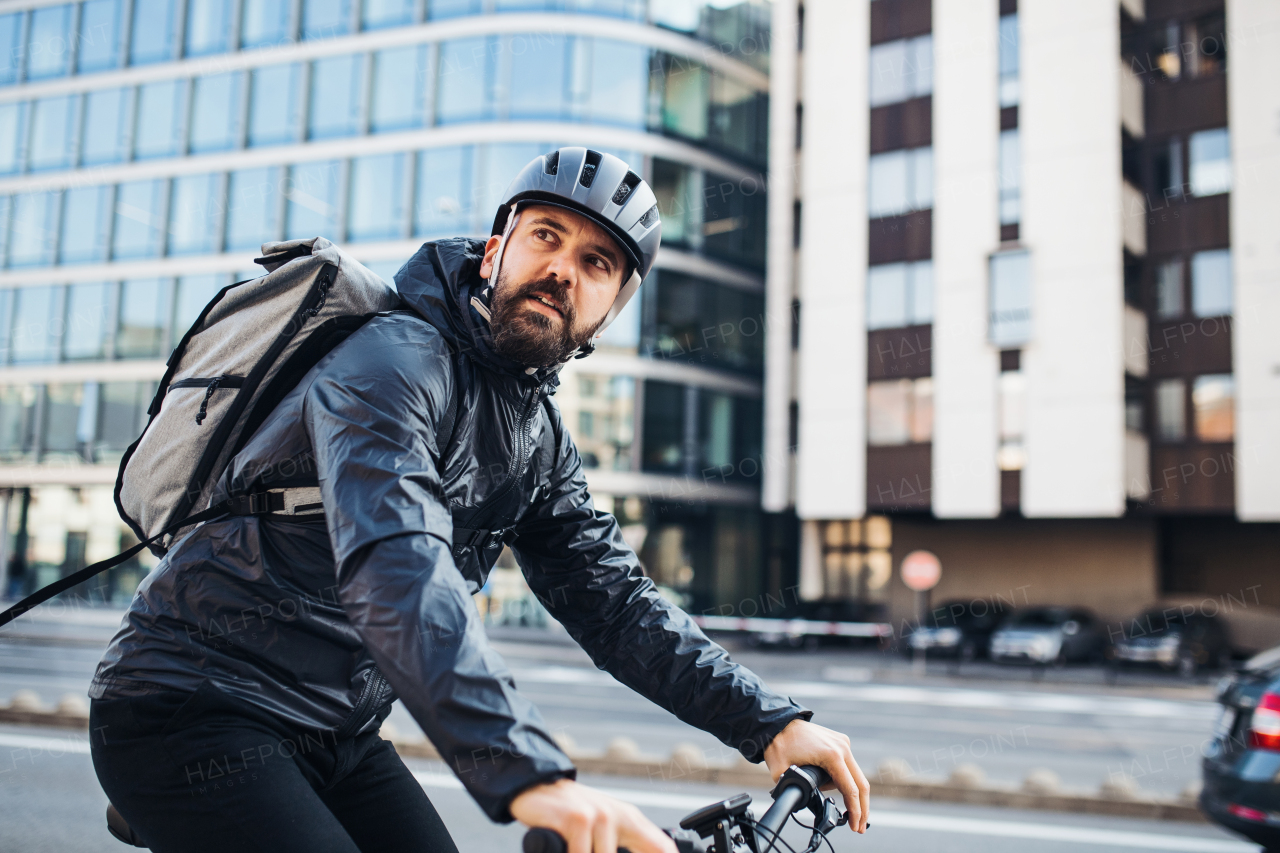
(791, 794)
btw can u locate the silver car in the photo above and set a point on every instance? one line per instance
(1043, 635)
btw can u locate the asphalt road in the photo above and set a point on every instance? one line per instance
(50, 802)
(1007, 721)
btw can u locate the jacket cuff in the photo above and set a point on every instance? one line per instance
(753, 747)
(502, 809)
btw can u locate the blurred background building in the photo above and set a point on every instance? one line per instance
(1010, 295)
(148, 148)
(1037, 278)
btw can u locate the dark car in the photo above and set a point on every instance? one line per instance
(1043, 635)
(954, 629)
(823, 611)
(1173, 639)
(1242, 764)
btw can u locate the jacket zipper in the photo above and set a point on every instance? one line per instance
(518, 461)
(362, 713)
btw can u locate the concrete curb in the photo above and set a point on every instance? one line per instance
(686, 764)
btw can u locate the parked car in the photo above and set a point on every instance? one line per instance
(1173, 639)
(824, 610)
(953, 629)
(1241, 766)
(1049, 635)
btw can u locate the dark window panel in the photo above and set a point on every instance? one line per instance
(1010, 360)
(1193, 479)
(905, 353)
(1009, 233)
(1189, 225)
(900, 478)
(894, 19)
(663, 432)
(1186, 105)
(900, 238)
(907, 124)
(1010, 491)
(1008, 117)
(701, 322)
(1191, 346)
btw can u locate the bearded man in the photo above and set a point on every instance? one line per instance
(434, 440)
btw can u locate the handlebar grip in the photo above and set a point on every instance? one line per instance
(543, 840)
(823, 777)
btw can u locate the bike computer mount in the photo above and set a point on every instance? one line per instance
(717, 827)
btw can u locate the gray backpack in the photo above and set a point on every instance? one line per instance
(249, 347)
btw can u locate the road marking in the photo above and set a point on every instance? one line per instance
(940, 823)
(55, 746)
(1046, 703)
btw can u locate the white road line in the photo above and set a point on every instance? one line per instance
(940, 823)
(55, 746)
(1047, 703)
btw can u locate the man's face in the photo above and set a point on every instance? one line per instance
(560, 275)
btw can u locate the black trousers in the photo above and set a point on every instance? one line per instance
(201, 772)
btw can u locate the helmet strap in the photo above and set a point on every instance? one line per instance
(512, 219)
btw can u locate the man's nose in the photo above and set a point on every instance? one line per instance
(563, 268)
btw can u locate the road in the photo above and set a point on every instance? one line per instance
(1006, 721)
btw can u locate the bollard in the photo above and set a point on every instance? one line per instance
(893, 770)
(967, 776)
(25, 700)
(1041, 781)
(622, 749)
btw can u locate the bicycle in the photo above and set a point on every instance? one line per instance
(728, 827)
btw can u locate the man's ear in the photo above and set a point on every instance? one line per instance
(490, 252)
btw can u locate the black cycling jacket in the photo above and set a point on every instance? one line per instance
(325, 620)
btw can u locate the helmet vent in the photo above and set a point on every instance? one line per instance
(551, 163)
(629, 183)
(589, 170)
(650, 217)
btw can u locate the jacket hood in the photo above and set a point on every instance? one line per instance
(439, 282)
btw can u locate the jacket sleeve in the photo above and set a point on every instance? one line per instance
(371, 418)
(590, 580)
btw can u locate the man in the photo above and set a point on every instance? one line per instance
(238, 707)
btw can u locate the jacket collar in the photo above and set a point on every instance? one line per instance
(439, 283)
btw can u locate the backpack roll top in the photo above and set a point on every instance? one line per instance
(249, 347)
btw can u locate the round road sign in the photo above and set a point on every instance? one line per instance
(921, 570)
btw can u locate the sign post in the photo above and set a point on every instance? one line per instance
(921, 571)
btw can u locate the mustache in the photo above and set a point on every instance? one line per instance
(551, 287)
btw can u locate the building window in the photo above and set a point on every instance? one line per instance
(1169, 298)
(253, 208)
(377, 198)
(34, 229)
(664, 427)
(265, 22)
(540, 75)
(337, 85)
(375, 14)
(153, 31)
(703, 322)
(215, 112)
(1171, 410)
(160, 118)
(618, 79)
(208, 26)
(13, 136)
(899, 295)
(1012, 403)
(37, 326)
(17, 423)
(98, 39)
(1011, 299)
(110, 113)
(88, 321)
(325, 18)
(1210, 162)
(1009, 62)
(194, 293)
(273, 100)
(144, 310)
(1010, 177)
(464, 80)
(901, 70)
(900, 181)
(1211, 283)
(49, 43)
(900, 411)
(314, 193)
(194, 213)
(1213, 401)
(140, 218)
(443, 198)
(86, 216)
(399, 81)
(53, 132)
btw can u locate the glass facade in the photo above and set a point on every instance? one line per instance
(378, 147)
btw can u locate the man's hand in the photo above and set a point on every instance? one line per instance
(804, 743)
(589, 821)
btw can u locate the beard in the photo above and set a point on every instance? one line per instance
(526, 335)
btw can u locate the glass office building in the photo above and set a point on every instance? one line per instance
(149, 147)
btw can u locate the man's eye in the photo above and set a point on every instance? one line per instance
(600, 262)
